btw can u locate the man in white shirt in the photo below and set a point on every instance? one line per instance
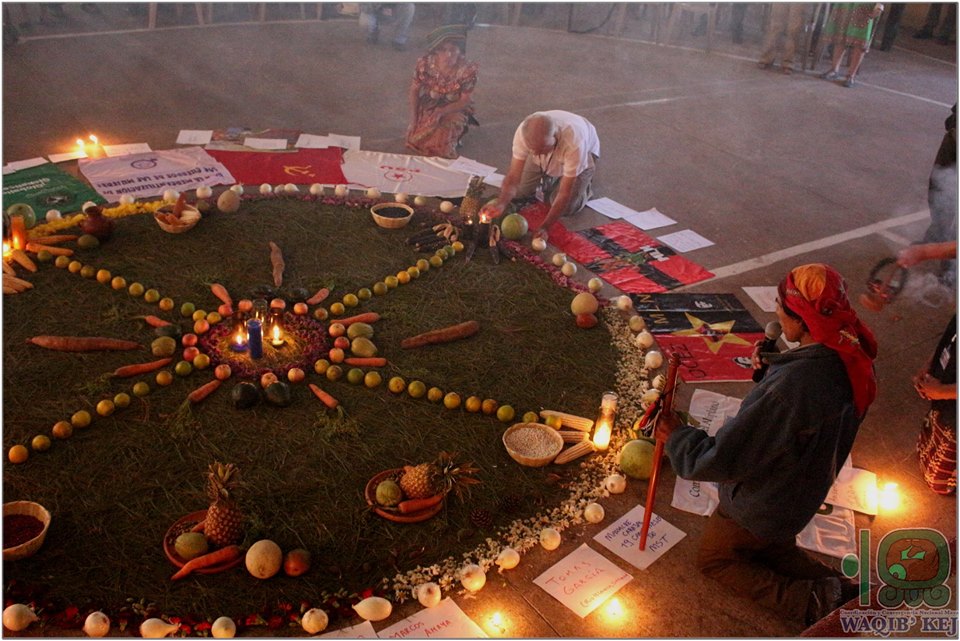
(556, 151)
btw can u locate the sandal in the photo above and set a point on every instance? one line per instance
(848, 83)
(830, 75)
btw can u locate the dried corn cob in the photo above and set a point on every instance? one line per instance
(21, 257)
(16, 283)
(574, 452)
(569, 420)
(573, 437)
(8, 268)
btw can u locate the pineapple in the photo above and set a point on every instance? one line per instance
(224, 523)
(470, 206)
(440, 477)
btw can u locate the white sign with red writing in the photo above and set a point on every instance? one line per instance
(623, 538)
(583, 580)
(360, 631)
(444, 621)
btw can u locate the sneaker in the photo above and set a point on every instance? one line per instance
(825, 597)
(848, 83)
(830, 75)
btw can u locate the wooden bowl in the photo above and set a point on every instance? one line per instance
(370, 493)
(530, 458)
(391, 222)
(185, 524)
(27, 548)
(189, 218)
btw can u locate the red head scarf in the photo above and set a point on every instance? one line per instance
(818, 294)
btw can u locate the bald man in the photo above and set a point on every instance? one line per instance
(556, 151)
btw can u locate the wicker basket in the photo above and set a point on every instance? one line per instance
(189, 218)
(388, 222)
(533, 459)
(37, 511)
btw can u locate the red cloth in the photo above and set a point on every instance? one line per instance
(301, 167)
(818, 294)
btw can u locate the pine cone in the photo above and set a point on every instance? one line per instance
(509, 504)
(481, 518)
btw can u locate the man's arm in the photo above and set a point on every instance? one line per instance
(910, 256)
(508, 190)
(559, 206)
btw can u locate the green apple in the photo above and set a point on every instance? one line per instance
(24, 210)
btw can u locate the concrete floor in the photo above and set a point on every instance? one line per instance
(755, 161)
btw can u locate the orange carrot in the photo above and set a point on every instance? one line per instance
(155, 321)
(82, 343)
(319, 297)
(36, 248)
(370, 361)
(442, 335)
(54, 239)
(328, 400)
(141, 368)
(204, 391)
(276, 260)
(417, 505)
(366, 317)
(223, 555)
(221, 292)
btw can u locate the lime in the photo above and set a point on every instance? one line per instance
(141, 389)
(44, 256)
(414, 271)
(183, 368)
(121, 400)
(355, 376)
(187, 309)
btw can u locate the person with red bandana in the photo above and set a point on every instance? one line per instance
(776, 460)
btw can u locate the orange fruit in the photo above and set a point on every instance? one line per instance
(136, 290)
(189, 340)
(338, 309)
(321, 313)
(222, 372)
(300, 309)
(40, 443)
(18, 454)
(296, 375)
(489, 406)
(118, 282)
(334, 373)
(320, 367)
(201, 361)
(336, 329)
(201, 326)
(473, 404)
(104, 276)
(268, 379)
(106, 407)
(336, 355)
(451, 401)
(81, 419)
(372, 379)
(435, 395)
(505, 413)
(199, 315)
(164, 377)
(62, 430)
(397, 385)
(416, 389)
(166, 304)
(403, 277)
(214, 317)
(151, 296)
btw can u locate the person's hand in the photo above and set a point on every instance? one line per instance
(491, 210)
(931, 389)
(666, 423)
(755, 361)
(910, 256)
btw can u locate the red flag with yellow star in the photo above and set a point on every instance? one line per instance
(302, 167)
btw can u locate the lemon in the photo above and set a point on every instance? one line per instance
(380, 288)
(473, 404)
(391, 282)
(338, 309)
(414, 271)
(403, 277)
(321, 313)
(75, 266)
(364, 293)
(416, 389)
(435, 395)
(151, 296)
(118, 282)
(320, 367)
(199, 315)
(81, 419)
(62, 430)
(122, 400)
(201, 361)
(44, 256)
(213, 317)
(436, 261)
(62, 261)
(187, 310)
(166, 304)
(397, 385)
(141, 389)
(164, 378)
(355, 376)
(40, 443)
(505, 413)
(106, 407)
(372, 379)
(458, 246)
(18, 454)
(135, 289)
(489, 406)
(351, 300)
(183, 368)
(423, 265)
(531, 417)
(451, 401)
(334, 373)
(104, 276)
(88, 271)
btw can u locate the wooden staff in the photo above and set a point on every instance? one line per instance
(673, 369)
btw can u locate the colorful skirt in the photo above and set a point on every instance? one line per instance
(937, 447)
(850, 25)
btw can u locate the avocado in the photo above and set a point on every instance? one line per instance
(359, 329)
(173, 331)
(245, 395)
(363, 347)
(278, 394)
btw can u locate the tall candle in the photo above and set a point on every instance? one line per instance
(255, 338)
(18, 232)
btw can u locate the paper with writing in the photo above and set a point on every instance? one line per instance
(444, 621)
(622, 538)
(70, 155)
(265, 143)
(194, 136)
(855, 489)
(583, 580)
(360, 631)
(126, 149)
(685, 240)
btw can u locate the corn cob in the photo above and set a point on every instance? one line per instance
(17, 283)
(21, 257)
(573, 437)
(574, 452)
(8, 268)
(569, 420)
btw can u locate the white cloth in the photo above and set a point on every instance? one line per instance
(392, 173)
(577, 144)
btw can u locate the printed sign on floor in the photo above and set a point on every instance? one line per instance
(360, 631)
(444, 621)
(47, 187)
(623, 538)
(150, 174)
(831, 531)
(583, 580)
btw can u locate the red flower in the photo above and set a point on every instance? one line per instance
(275, 622)
(203, 625)
(366, 593)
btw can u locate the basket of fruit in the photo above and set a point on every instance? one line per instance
(25, 526)
(414, 493)
(386, 497)
(391, 215)
(183, 542)
(532, 444)
(174, 223)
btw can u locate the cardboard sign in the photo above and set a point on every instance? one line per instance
(623, 538)
(360, 631)
(583, 580)
(444, 621)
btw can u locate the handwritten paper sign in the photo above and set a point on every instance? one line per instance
(194, 136)
(360, 631)
(444, 621)
(685, 240)
(855, 489)
(347, 142)
(265, 143)
(313, 141)
(114, 151)
(623, 538)
(583, 580)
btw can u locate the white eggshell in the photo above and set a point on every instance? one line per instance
(428, 594)
(316, 189)
(171, 195)
(559, 259)
(373, 192)
(341, 190)
(204, 192)
(594, 285)
(419, 201)
(624, 303)
(97, 624)
(223, 628)
(87, 205)
(266, 188)
(127, 199)
(400, 197)
(291, 189)
(472, 577)
(650, 396)
(508, 558)
(53, 214)
(538, 244)
(17, 617)
(653, 360)
(615, 484)
(549, 538)
(237, 189)
(568, 269)
(314, 620)
(374, 608)
(446, 206)
(644, 339)
(593, 513)
(637, 323)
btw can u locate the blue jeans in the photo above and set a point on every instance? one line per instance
(372, 15)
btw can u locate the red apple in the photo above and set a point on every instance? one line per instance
(586, 321)
(296, 562)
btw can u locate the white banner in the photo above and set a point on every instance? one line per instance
(394, 173)
(831, 531)
(151, 173)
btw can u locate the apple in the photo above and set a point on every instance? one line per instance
(24, 210)
(296, 562)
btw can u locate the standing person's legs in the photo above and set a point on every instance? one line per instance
(778, 24)
(369, 22)
(933, 18)
(403, 14)
(892, 26)
(794, 22)
(948, 28)
(856, 57)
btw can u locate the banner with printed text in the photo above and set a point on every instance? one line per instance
(151, 173)
(47, 187)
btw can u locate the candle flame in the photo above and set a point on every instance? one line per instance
(614, 610)
(496, 619)
(484, 218)
(238, 338)
(601, 434)
(6, 249)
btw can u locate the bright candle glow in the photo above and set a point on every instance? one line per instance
(601, 434)
(497, 623)
(613, 610)
(484, 218)
(277, 336)
(889, 497)
(6, 249)
(93, 139)
(80, 143)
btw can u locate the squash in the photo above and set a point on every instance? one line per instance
(278, 394)
(245, 395)
(263, 559)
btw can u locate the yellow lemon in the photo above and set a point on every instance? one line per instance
(135, 290)
(505, 413)
(106, 407)
(531, 417)
(397, 385)
(201, 361)
(338, 309)
(436, 261)
(391, 282)
(372, 379)
(81, 419)
(364, 293)
(351, 300)
(473, 404)
(320, 367)
(451, 401)
(457, 246)
(62, 261)
(423, 265)
(199, 315)
(141, 389)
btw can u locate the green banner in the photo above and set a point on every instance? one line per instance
(47, 187)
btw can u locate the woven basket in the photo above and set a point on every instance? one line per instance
(189, 218)
(37, 511)
(533, 459)
(386, 221)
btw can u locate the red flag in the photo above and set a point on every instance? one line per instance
(302, 167)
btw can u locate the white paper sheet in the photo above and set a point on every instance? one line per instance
(472, 167)
(17, 165)
(650, 219)
(194, 136)
(855, 489)
(70, 155)
(347, 142)
(126, 149)
(313, 141)
(610, 208)
(831, 531)
(360, 631)
(494, 180)
(444, 621)
(622, 538)
(685, 240)
(583, 580)
(765, 297)
(265, 143)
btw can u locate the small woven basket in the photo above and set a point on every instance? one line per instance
(528, 458)
(29, 548)
(189, 218)
(389, 222)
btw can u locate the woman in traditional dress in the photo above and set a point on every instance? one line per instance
(441, 95)
(851, 25)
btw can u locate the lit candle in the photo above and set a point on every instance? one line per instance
(18, 232)
(239, 342)
(277, 338)
(255, 338)
(614, 610)
(94, 139)
(497, 623)
(81, 146)
(604, 426)
(6, 249)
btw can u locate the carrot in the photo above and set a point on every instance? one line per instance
(369, 361)
(319, 297)
(141, 368)
(221, 292)
(199, 527)
(442, 335)
(223, 555)
(328, 400)
(21, 257)
(366, 317)
(276, 259)
(417, 505)
(156, 321)
(36, 248)
(54, 239)
(180, 204)
(204, 391)
(82, 343)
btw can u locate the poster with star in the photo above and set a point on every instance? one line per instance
(301, 167)
(714, 334)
